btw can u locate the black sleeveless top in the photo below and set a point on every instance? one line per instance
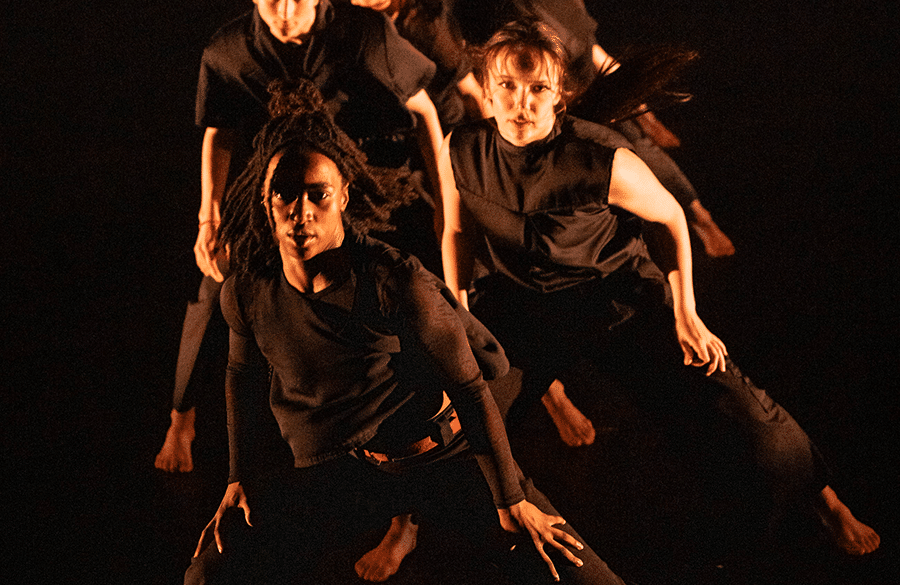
(543, 209)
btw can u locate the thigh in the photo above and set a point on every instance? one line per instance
(459, 500)
(296, 517)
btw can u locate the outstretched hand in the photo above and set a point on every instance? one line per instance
(699, 345)
(234, 498)
(542, 529)
(205, 250)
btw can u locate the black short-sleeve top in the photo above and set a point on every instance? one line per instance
(543, 209)
(364, 69)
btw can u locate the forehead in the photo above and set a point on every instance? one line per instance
(273, 4)
(525, 62)
(302, 167)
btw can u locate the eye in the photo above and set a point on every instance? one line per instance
(318, 195)
(286, 198)
(540, 88)
(506, 84)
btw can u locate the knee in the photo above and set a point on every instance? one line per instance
(205, 568)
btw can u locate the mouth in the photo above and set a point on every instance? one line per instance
(302, 237)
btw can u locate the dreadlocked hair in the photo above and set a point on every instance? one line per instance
(298, 119)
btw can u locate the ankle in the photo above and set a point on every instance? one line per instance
(182, 421)
(555, 395)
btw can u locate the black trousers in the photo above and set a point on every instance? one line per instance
(301, 515)
(633, 339)
(203, 350)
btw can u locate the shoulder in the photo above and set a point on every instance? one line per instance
(359, 21)
(590, 133)
(230, 36)
(396, 275)
(382, 261)
(238, 300)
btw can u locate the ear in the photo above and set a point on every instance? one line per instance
(345, 197)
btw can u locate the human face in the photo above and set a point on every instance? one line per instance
(523, 90)
(305, 195)
(288, 20)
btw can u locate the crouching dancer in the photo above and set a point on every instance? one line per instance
(361, 347)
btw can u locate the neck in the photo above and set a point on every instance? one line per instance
(317, 273)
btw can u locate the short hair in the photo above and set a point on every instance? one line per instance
(299, 120)
(527, 36)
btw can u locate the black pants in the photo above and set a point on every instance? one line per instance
(546, 334)
(203, 351)
(297, 518)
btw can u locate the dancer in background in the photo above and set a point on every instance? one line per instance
(556, 206)
(374, 82)
(430, 27)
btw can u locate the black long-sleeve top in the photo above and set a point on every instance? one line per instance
(352, 360)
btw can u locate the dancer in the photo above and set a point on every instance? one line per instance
(593, 75)
(555, 206)
(430, 27)
(372, 78)
(588, 62)
(358, 341)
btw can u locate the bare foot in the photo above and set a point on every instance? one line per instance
(846, 532)
(384, 560)
(175, 454)
(658, 133)
(574, 428)
(715, 242)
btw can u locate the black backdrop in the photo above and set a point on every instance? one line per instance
(790, 141)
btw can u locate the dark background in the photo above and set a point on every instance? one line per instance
(790, 141)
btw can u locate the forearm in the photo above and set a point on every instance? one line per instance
(429, 134)
(432, 324)
(215, 160)
(681, 277)
(492, 451)
(246, 402)
(457, 264)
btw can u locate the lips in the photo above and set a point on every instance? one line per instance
(301, 237)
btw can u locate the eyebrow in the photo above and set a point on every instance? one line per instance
(275, 183)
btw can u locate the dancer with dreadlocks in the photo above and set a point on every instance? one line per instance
(374, 82)
(364, 347)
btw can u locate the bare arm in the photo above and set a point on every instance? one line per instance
(473, 97)
(634, 188)
(603, 62)
(456, 253)
(215, 159)
(430, 135)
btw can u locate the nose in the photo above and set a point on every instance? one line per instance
(522, 98)
(303, 209)
(287, 8)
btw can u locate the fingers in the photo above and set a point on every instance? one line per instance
(218, 536)
(203, 538)
(553, 538)
(539, 545)
(243, 505)
(570, 556)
